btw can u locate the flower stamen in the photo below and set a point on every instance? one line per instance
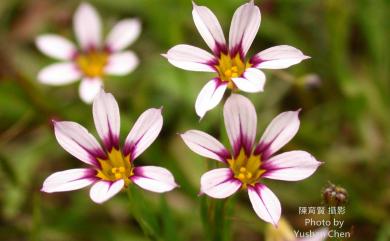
(231, 67)
(92, 63)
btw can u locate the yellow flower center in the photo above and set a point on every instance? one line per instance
(246, 168)
(92, 63)
(229, 68)
(116, 167)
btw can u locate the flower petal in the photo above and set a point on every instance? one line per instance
(87, 26)
(219, 183)
(243, 29)
(190, 58)
(278, 133)
(123, 34)
(265, 203)
(205, 145)
(121, 63)
(290, 166)
(101, 191)
(240, 122)
(76, 140)
(144, 132)
(155, 179)
(252, 81)
(55, 46)
(89, 88)
(69, 180)
(59, 74)
(278, 57)
(107, 119)
(209, 27)
(209, 97)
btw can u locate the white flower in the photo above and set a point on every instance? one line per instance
(94, 58)
(111, 167)
(229, 61)
(249, 163)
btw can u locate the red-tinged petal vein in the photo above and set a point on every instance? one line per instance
(265, 204)
(240, 122)
(219, 183)
(209, 28)
(210, 96)
(87, 26)
(190, 58)
(243, 29)
(121, 63)
(69, 180)
(278, 133)
(107, 119)
(144, 132)
(76, 140)
(56, 46)
(205, 145)
(290, 166)
(89, 88)
(252, 81)
(101, 191)
(155, 179)
(124, 33)
(278, 57)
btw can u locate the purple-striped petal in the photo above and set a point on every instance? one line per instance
(190, 58)
(87, 26)
(107, 119)
(123, 34)
(89, 88)
(278, 57)
(209, 28)
(101, 191)
(278, 133)
(121, 63)
(290, 166)
(240, 121)
(76, 140)
(59, 74)
(155, 179)
(252, 81)
(265, 203)
(244, 27)
(205, 145)
(69, 180)
(144, 132)
(219, 183)
(210, 96)
(56, 46)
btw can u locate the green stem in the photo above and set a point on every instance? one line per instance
(142, 214)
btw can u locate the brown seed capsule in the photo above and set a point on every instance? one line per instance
(334, 195)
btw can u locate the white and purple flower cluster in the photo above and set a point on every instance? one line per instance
(112, 166)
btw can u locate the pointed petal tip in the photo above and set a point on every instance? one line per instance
(194, 4)
(306, 57)
(165, 55)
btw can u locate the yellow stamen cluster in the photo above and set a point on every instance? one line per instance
(229, 68)
(92, 63)
(115, 167)
(247, 169)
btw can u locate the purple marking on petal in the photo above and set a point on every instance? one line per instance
(237, 50)
(242, 142)
(111, 141)
(255, 60)
(263, 150)
(220, 48)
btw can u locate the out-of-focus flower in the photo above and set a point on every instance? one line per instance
(248, 163)
(229, 60)
(111, 167)
(284, 232)
(94, 58)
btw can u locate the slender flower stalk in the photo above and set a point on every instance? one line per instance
(93, 59)
(111, 167)
(248, 163)
(228, 60)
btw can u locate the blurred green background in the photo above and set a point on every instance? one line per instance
(344, 91)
